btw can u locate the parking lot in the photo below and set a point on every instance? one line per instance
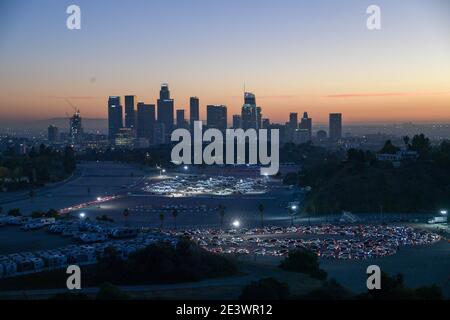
(193, 185)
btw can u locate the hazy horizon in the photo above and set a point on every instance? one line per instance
(296, 56)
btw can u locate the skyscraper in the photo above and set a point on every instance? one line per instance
(129, 112)
(194, 110)
(306, 124)
(335, 126)
(165, 109)
(237, 121)
(251, 114)
(216, 117)
(181, 122)
(293, 121)
(145, 120)
(75, 128)
(53, 133)
(115, 116)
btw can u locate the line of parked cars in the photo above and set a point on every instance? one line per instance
(26, 223)
(88, 232)
(327, 241)
(43, 260)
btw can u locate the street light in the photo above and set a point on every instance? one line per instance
(236, 223)
(99, 199)
(82, 215)
(293, 211)
(186, 168)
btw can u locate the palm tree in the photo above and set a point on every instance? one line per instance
(161, 218)
(406, 140)
(32, 193)
(175, 215)
(261, 214)
(126, 213)
(222, 210)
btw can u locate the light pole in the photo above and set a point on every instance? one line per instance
(293, 210)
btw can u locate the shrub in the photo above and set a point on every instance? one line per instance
(265, 289)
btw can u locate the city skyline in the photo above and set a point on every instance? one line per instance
(298, 57)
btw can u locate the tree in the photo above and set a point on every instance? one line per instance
(330, 290)
(406, 141)
(70, 296)
(290, 179)
(261, 214)
(126, 213)
(109, 291)
(265, 289)
(32, 194)
(104, 218)
(52, 213)
(222, 210)
(394, 288)
(37, 214)
(389, 148)
(421, 145)
(69, 159)
(175, 215)
(14, 212)
(161, 219)
(304, 261)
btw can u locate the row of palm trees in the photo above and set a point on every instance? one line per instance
(221, 210)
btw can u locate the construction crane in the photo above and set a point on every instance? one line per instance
(75, 110)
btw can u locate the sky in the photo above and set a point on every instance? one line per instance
(295, 55)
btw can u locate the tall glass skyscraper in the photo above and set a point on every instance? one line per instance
(216, 117)
(76, 130)
(145, 120)
(165, 107)
(115, 116)
(194, 110)
(251, 114)
(306, 124)
(335, 126)
(129, 112)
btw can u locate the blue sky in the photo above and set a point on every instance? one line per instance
(289, 52)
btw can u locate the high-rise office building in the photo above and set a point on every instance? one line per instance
(75, 128)
(265, 123)
(301, 136)
(194, 110)
(181, 122)
(335, 129)
(306, 124)
(145, 120)
(115, 116)
(165, 109)
(293, 120)
(251, 113)
(53, 134)
(130, 117)
(124, 138)
(159, 134)
(216, 117)
(237, 121)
